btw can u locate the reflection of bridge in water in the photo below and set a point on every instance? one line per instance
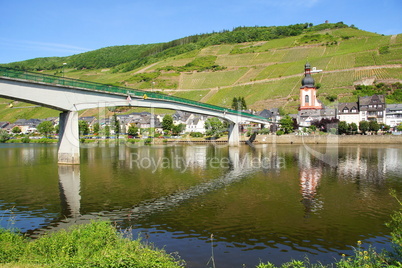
(239, 165)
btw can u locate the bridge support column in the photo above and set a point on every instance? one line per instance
(69, 144)
(234, 138)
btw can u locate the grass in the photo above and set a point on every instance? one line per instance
(97, 244)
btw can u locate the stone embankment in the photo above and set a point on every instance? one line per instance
(325, 139)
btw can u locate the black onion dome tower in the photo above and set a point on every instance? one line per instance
(307, 81)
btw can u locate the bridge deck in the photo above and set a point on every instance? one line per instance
(69, 82)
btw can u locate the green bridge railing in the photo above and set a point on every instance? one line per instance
(57, 80)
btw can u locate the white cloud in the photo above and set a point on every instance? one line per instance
(40, 46)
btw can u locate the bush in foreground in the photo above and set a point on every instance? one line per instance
(92, 245)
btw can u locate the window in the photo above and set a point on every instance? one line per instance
(306, 99)
(345, 110)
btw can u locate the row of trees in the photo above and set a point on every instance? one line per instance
(239, 104)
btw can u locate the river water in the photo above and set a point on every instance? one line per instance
(240, 205)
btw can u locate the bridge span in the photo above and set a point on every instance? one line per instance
(70, 96)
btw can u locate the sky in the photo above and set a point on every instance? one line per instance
(46, 28)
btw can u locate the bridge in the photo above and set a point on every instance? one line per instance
(70, 96)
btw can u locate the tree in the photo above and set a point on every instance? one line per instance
(45, 128)
(374, 126)
(343, 127)
(16, 130)
(132, 131)
(363, 126)
(167, 122)
(116, 126)
(83, 127)
(353, 128)
(106, 130)
(234, 104)
(177, 129)
(239, 104)
(286, 124)
(399, 127)
(96, 128)
(4, 136)
(214, 127)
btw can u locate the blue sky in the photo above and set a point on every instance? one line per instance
(45, 28)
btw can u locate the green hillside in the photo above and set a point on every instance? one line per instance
(263, 64)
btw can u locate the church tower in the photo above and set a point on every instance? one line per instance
(308, 98)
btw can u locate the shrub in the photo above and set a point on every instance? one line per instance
(280, 132)
(25, 139)
(196, 134)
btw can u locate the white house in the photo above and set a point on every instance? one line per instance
(393, 115)
(195, 123)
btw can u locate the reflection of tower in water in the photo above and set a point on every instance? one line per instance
(310, 176)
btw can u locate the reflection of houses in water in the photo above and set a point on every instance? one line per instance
(352, 165)
(369, 165)
(310, 175)
(392, 160)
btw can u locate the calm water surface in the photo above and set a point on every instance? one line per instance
(268, 203)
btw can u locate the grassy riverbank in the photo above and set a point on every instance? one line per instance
(97, 244)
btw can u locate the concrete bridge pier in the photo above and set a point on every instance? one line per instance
(234, 138)
(69, 144)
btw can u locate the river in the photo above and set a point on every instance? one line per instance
(240, 205)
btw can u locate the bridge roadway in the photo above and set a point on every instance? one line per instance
(70, 96)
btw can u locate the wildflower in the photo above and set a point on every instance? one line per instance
(359, 242)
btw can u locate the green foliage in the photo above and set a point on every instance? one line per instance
(177, 129)
(196, 135)
(25, 139)
(264, 131)
(318, 38)
(198, 64)
(239, 104)
(96, 128)
(391, 91)
(106, 131)
(214, 127)
(116, 125)
(399, 127)
(4, 136)
(133, 131)
(280, 132)
(16, 130)
(83, 127)
(92, 245)
(167, 122)
(286, 124)
(363, 126)
(45, 128)
(331, 98)
(374, 126)
(343, 127)
(383, 50)
(353, 128)
(144, 77)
